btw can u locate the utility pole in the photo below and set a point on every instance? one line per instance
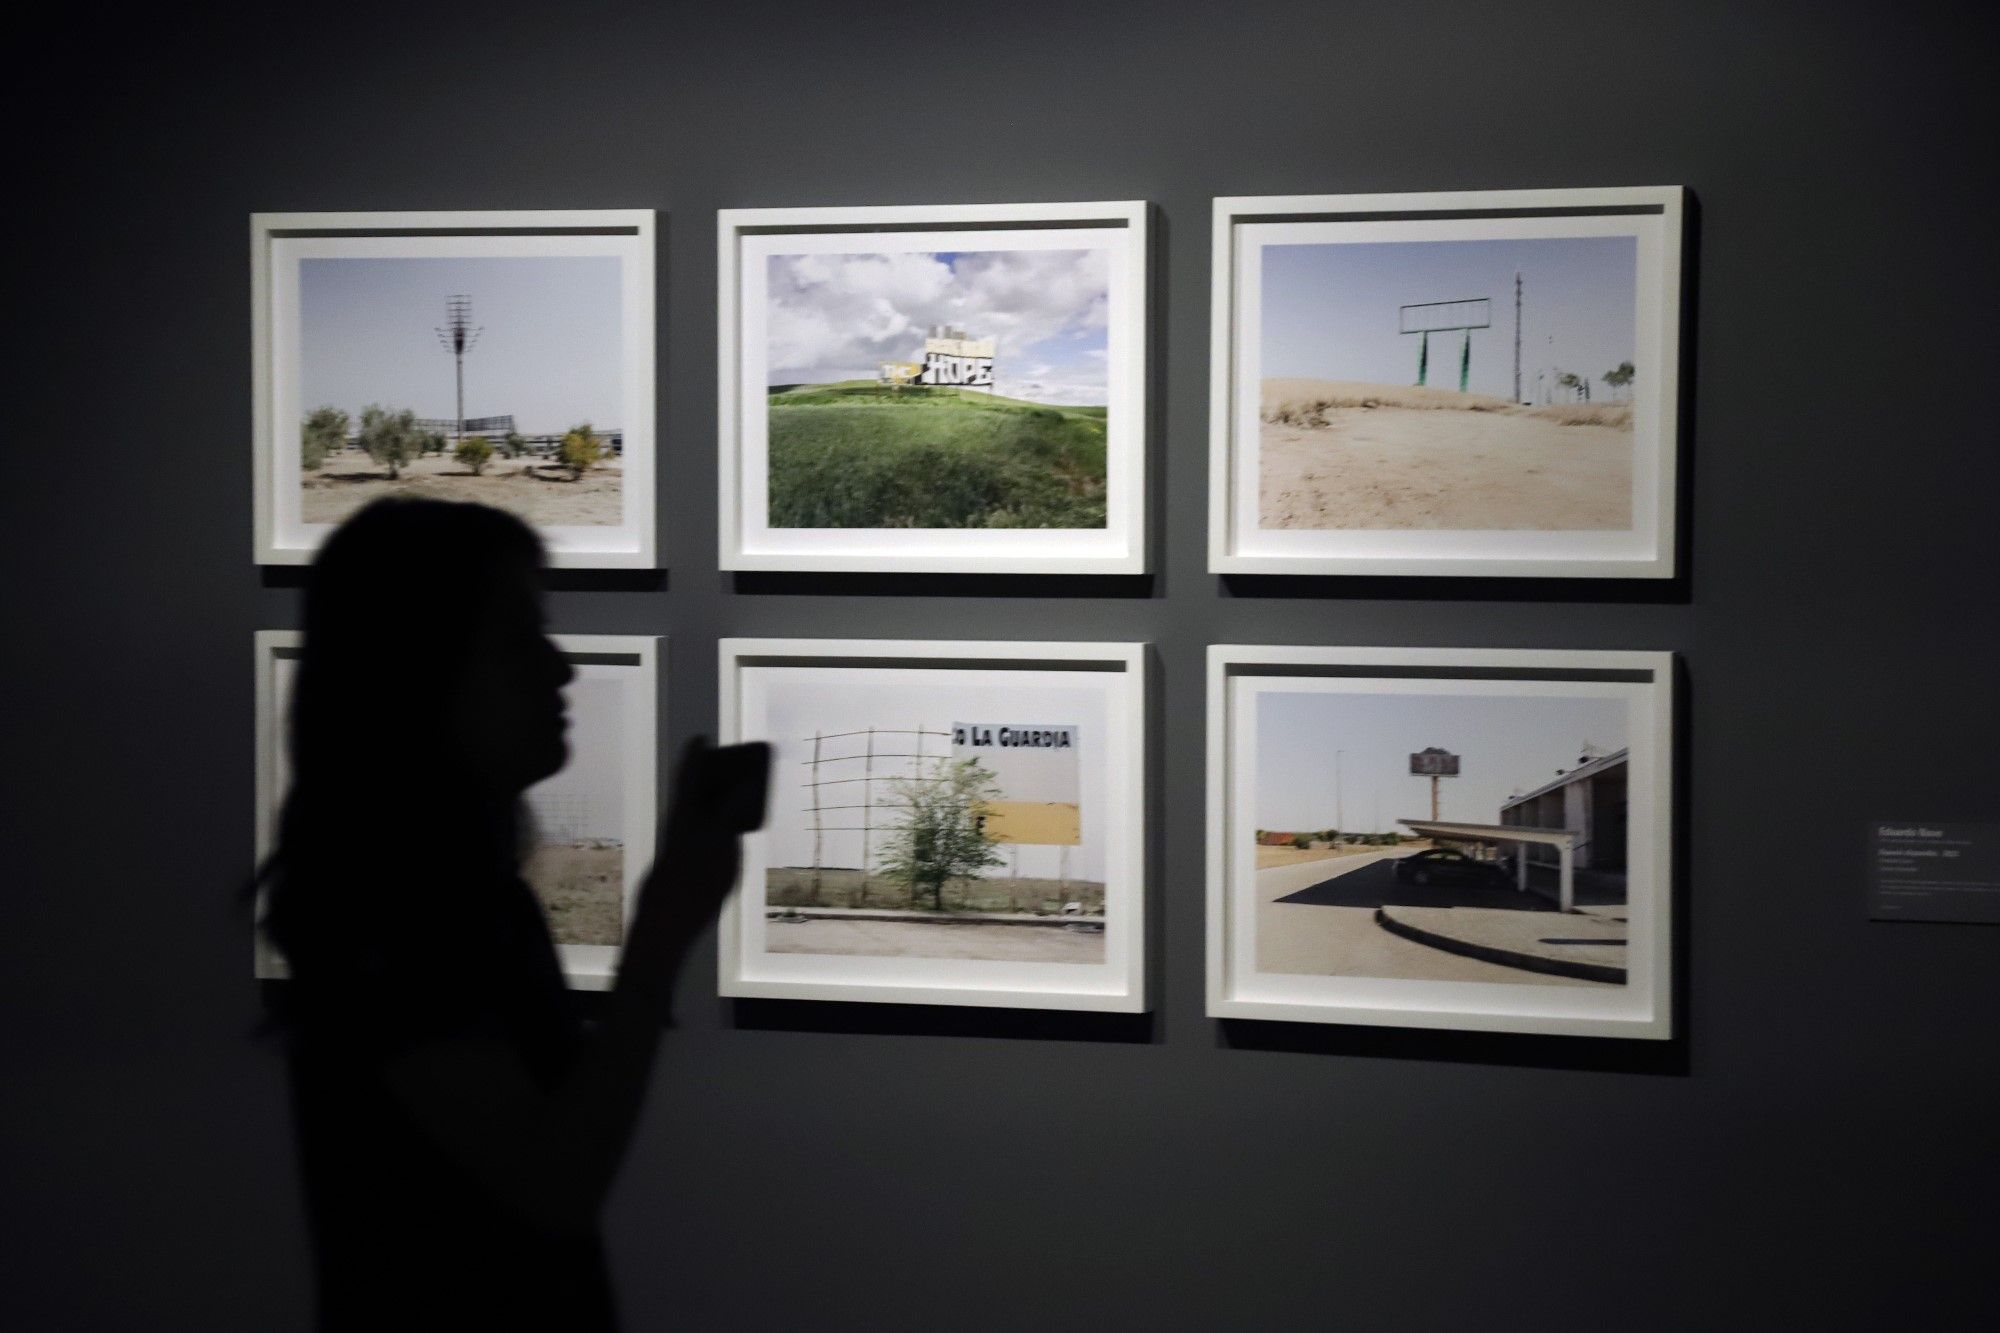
(1517, 335)
(818, 835)
(457, 335)
(1339, 814)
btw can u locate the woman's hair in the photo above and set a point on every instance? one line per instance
(380, 801)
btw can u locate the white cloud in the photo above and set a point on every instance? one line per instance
(836, 316)
(1079, 385)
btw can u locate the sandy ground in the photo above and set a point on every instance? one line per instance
(1304, 939)
(791, 886)
(531, 489)
(921, 939)
(580, 885)
(1430, 459)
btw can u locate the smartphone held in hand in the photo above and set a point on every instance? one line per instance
(732, 782)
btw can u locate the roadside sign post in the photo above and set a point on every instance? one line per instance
(1434, 763)
(1446, 317)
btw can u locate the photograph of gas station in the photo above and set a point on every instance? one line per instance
(1448, 831)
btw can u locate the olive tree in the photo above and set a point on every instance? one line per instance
(324, 433)
(474, 452)
(390, 438)
(580, 449)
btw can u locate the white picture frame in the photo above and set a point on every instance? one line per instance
(1106, 681)
(749, 238)
(634, 661)
(1615, 513)
(284, 534)
(1464, 968)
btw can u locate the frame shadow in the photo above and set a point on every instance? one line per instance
(811, 583)
(938, 1020)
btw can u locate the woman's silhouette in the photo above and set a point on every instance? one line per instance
(458, 1128)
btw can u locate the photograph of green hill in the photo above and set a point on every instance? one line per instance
(937, 389)
(860, 454)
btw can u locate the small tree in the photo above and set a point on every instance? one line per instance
(943, 833)
(324, 433)
(1619, 378)
(390, 438)
(1302, 840)
(514, 444)
(475, 452)
(580, 449)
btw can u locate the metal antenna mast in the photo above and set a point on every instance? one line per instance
(458, 336)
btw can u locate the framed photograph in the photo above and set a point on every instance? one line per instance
(958, 389)
(950, 823)
(592, 823)
(1478, 383)
(1441, 838)
(505, 358)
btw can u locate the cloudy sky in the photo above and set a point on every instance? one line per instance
(1505, 745)
(550, 353)
(835, 317)
(1330, 310)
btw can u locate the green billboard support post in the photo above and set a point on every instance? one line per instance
(1445, 317)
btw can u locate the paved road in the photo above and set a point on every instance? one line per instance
(1376, 885)
(1313, 938)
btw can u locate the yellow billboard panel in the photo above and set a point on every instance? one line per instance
(1035, 823)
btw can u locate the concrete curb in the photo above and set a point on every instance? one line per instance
(1527, 962)
(933, 918)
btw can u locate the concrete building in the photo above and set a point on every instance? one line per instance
(493, 428)
(1590, 802)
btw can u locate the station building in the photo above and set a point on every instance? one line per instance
(1589, 801)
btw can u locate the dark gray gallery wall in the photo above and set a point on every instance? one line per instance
(1816, 1151)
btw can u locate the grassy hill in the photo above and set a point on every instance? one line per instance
(855, 454)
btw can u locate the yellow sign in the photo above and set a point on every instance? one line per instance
(1035, 823)
(1034, 767)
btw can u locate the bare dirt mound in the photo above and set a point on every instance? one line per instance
(1336, 455)
(1298, 400)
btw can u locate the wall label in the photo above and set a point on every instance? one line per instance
(1931, 870)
